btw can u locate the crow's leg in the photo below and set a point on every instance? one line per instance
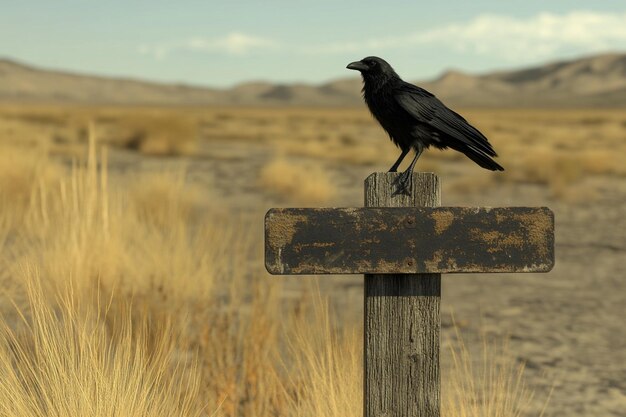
(395, 166)
(405, 180)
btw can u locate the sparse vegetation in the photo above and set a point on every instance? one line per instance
(151, 131)
(144, 268)
(304, 184)
(551, 147)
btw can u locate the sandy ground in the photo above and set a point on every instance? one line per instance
(568, 326)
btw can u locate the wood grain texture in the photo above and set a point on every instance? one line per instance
(403, 240)
(401, 335)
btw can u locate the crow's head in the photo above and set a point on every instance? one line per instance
(372, 67)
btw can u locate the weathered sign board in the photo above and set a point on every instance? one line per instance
(410, 240)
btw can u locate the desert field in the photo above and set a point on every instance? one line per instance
(133, 282)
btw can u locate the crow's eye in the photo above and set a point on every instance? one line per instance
(372, 63)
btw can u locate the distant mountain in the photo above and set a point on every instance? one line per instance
(23, 83)
(591, 81)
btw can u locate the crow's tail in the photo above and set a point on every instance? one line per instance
(482, 159)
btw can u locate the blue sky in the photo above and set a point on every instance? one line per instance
(222, 43)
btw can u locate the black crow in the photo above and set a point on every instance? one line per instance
(415, 118)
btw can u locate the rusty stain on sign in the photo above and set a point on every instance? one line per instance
(443, 219)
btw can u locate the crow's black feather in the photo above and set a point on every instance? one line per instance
(416, 119)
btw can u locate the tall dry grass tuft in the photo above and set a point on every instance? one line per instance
(491, 385)
(83, 231)
(325, 363)
(239, 346)
(63, 359)
(89, 239)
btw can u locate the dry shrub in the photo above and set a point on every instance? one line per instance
(471, 184)
(300, 183)
(164, 196)
(545, 166)
(156, 134)
(336, 150)
(159, 144)
(24, 174)
(559, 169)
(599, 162)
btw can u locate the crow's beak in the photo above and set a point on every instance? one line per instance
(357, 65)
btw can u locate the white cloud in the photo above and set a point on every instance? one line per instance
(536, 37)
(541, 36)
(515, 39)
(235, 43)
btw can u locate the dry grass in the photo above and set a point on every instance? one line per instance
(154, 133)
(492, 386)
(78, 230)
(111, 283)
(299, 183)
(151, 131)
(23, 173)
(554, 148)
(557, 149)
(326, 373)
(489, 383)
(160, 197)
(65, 358)
(93, 245)
(135, 278)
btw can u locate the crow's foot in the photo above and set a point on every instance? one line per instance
(404, 183)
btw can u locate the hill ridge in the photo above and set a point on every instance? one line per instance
(597, 80)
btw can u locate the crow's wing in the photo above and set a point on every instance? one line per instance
(426, 108)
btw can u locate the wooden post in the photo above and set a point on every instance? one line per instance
(401, 335)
